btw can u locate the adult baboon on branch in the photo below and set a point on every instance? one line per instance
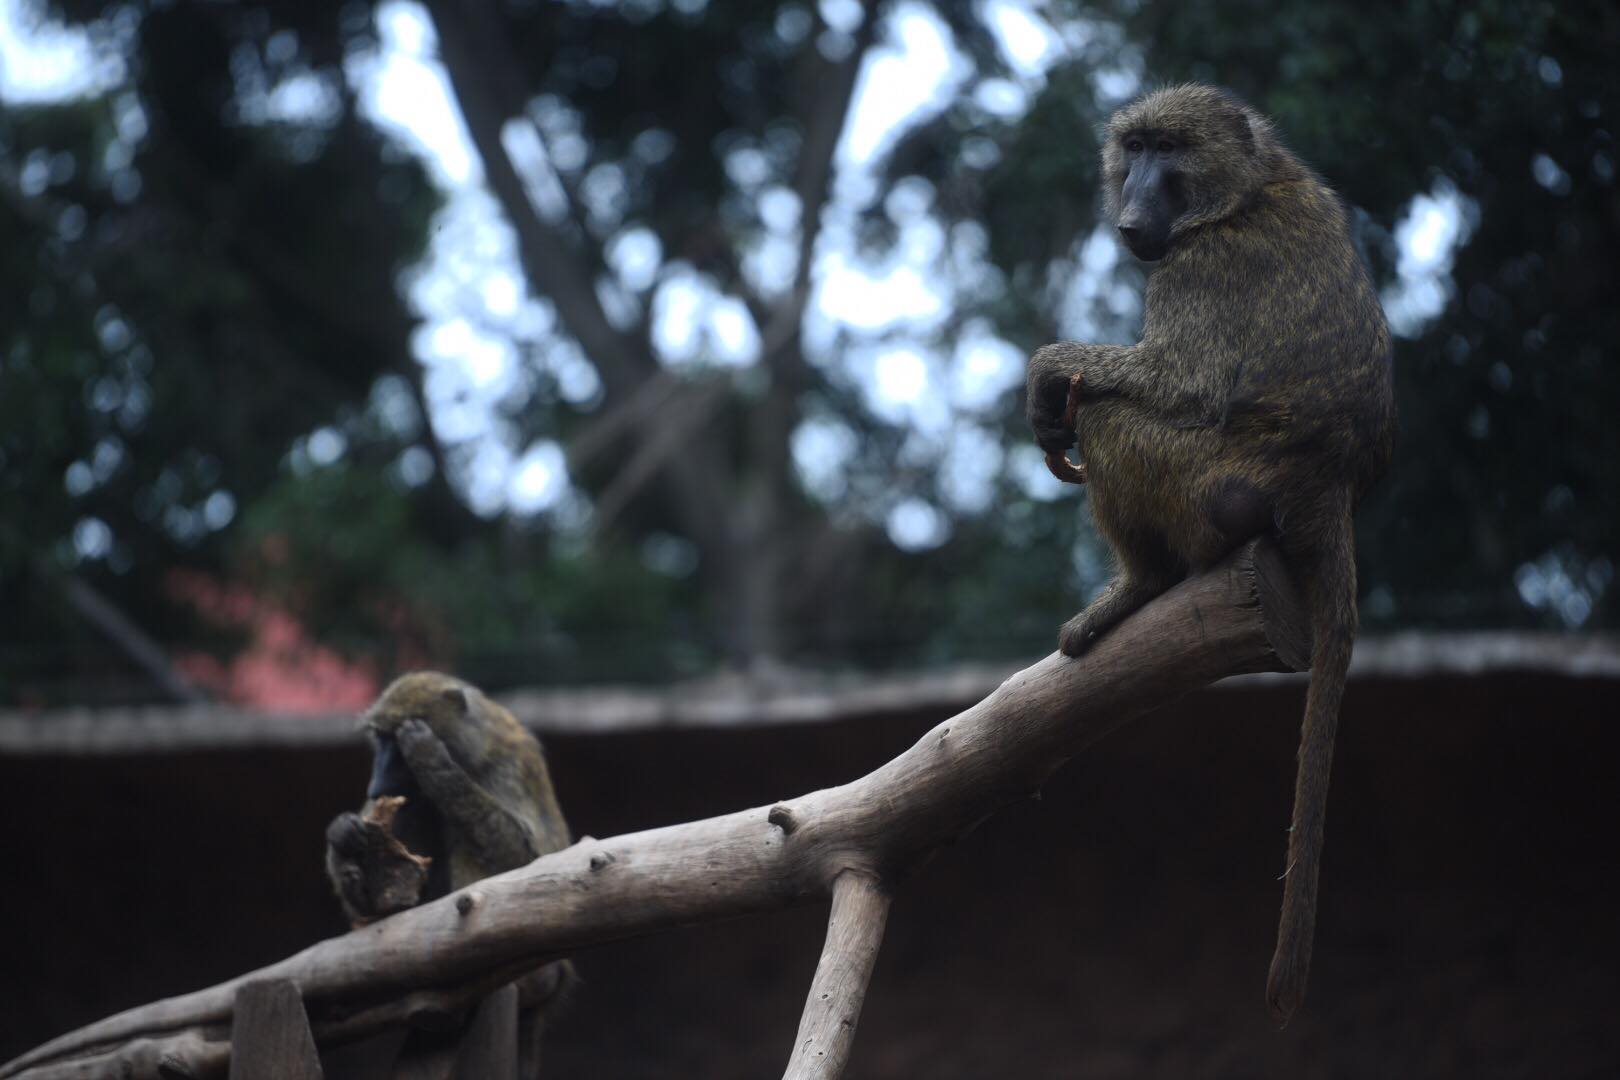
(1258, 400)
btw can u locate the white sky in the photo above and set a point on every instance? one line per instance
(478, 314)
(44, 62)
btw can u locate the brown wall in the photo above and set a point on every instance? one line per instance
(1118, 928)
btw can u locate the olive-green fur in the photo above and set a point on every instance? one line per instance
(1258, 400)
(496, 751)
(493, 810)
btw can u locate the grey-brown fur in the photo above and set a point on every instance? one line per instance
(480, 802)
(1259, 399)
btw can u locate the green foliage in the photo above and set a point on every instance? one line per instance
(196, 286)
(340, 549)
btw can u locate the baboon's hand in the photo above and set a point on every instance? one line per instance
(1047, 400)
(1059, 465)
(430, 762)
(345, 847)
(346, 835)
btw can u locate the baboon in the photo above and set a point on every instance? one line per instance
(1258, 401)
(459, 791)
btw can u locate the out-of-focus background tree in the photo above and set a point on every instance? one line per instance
(561, 342)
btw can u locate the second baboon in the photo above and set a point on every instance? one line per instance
(459, 791)
(1258, 401)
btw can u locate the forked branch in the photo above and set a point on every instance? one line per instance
(860, 908)
(1239, 617)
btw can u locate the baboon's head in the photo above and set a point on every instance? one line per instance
(483, 738)
(455, 711)
(1182, 157)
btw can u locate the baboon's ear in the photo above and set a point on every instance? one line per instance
(1243, 128)
(456, 698)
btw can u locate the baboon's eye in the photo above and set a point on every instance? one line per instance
(1133, 146)
(1164, 146)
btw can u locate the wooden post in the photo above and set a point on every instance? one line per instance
(489, 1047)
(270, 1036)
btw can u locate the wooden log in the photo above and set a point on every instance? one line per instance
(1240, 617)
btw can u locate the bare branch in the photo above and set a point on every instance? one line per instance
(1240, 617)
(620, 422)
(678, 426)
(860, 908)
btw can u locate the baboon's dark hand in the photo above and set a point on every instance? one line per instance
(423, 750)
(346, 835)
(1047, 403)
(345, 846)
(430, 762)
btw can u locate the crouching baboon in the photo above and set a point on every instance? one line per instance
(459, 791)
(1258, 401)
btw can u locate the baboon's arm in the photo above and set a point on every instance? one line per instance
(476, 813)
(1047, 390)
(1182, 398)
(1183, 394)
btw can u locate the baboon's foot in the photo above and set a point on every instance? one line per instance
(1078, 635)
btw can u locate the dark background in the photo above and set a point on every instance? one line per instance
(1119, 927)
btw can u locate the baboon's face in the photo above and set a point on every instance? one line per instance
(1152, 196)
(390, 775)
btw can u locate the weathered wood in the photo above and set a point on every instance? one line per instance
(489, 1048)
(1239, 617)
(270, 1036)
(860, 908)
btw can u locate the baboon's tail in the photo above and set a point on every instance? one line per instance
(1329, 571)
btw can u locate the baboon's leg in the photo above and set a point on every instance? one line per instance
(476, 813)
(1134, 586)
(1234, 510)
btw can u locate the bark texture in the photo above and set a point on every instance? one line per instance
(860, 908)
(1240, 617)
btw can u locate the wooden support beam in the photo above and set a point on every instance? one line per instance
(489, 1047)
(270, 1036)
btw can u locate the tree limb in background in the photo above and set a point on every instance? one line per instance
(1240, 617)
(558, 271)
(694, 404)
(122, 631)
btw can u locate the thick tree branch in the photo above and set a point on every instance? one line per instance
(544, 250)
(1240, 617)
(556, 269)
(826, 88)
(860, 907)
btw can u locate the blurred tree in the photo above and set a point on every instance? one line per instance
(212, 357)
